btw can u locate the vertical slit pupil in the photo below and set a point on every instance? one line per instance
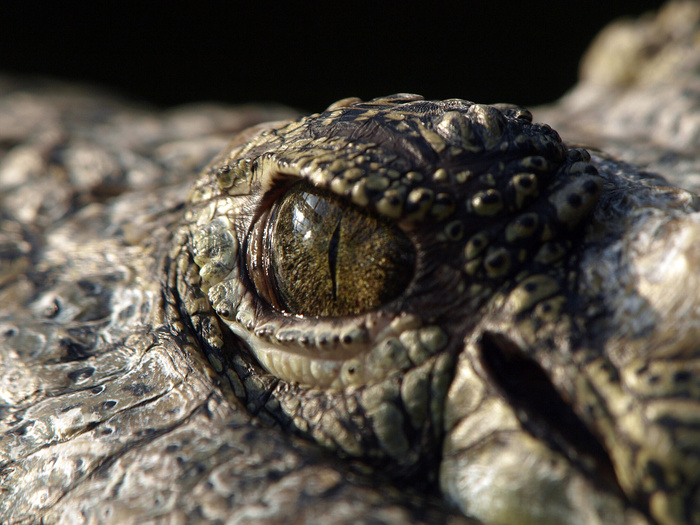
(327, 258)
(333, 257)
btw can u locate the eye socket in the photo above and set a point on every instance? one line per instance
(313, 254)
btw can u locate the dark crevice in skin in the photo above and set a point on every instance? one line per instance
(544, 413)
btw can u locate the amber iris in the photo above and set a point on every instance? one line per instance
(320, 256)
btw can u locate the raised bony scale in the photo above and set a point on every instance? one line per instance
(467, 343)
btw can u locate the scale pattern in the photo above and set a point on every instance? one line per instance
(540, 366)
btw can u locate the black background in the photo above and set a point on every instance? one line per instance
(308, 54)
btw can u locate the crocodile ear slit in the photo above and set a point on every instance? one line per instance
(543, 410)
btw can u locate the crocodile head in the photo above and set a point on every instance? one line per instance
(448, 293)
(459, 306)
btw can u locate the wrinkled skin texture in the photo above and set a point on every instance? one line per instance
(526, 374)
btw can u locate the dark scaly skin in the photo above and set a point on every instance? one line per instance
(533, 352)
(111, 413)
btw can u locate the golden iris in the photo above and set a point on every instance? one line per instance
(316, 255)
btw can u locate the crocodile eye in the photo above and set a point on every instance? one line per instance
(313, 254)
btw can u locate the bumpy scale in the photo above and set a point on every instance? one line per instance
(496, 367)
(456, 305)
